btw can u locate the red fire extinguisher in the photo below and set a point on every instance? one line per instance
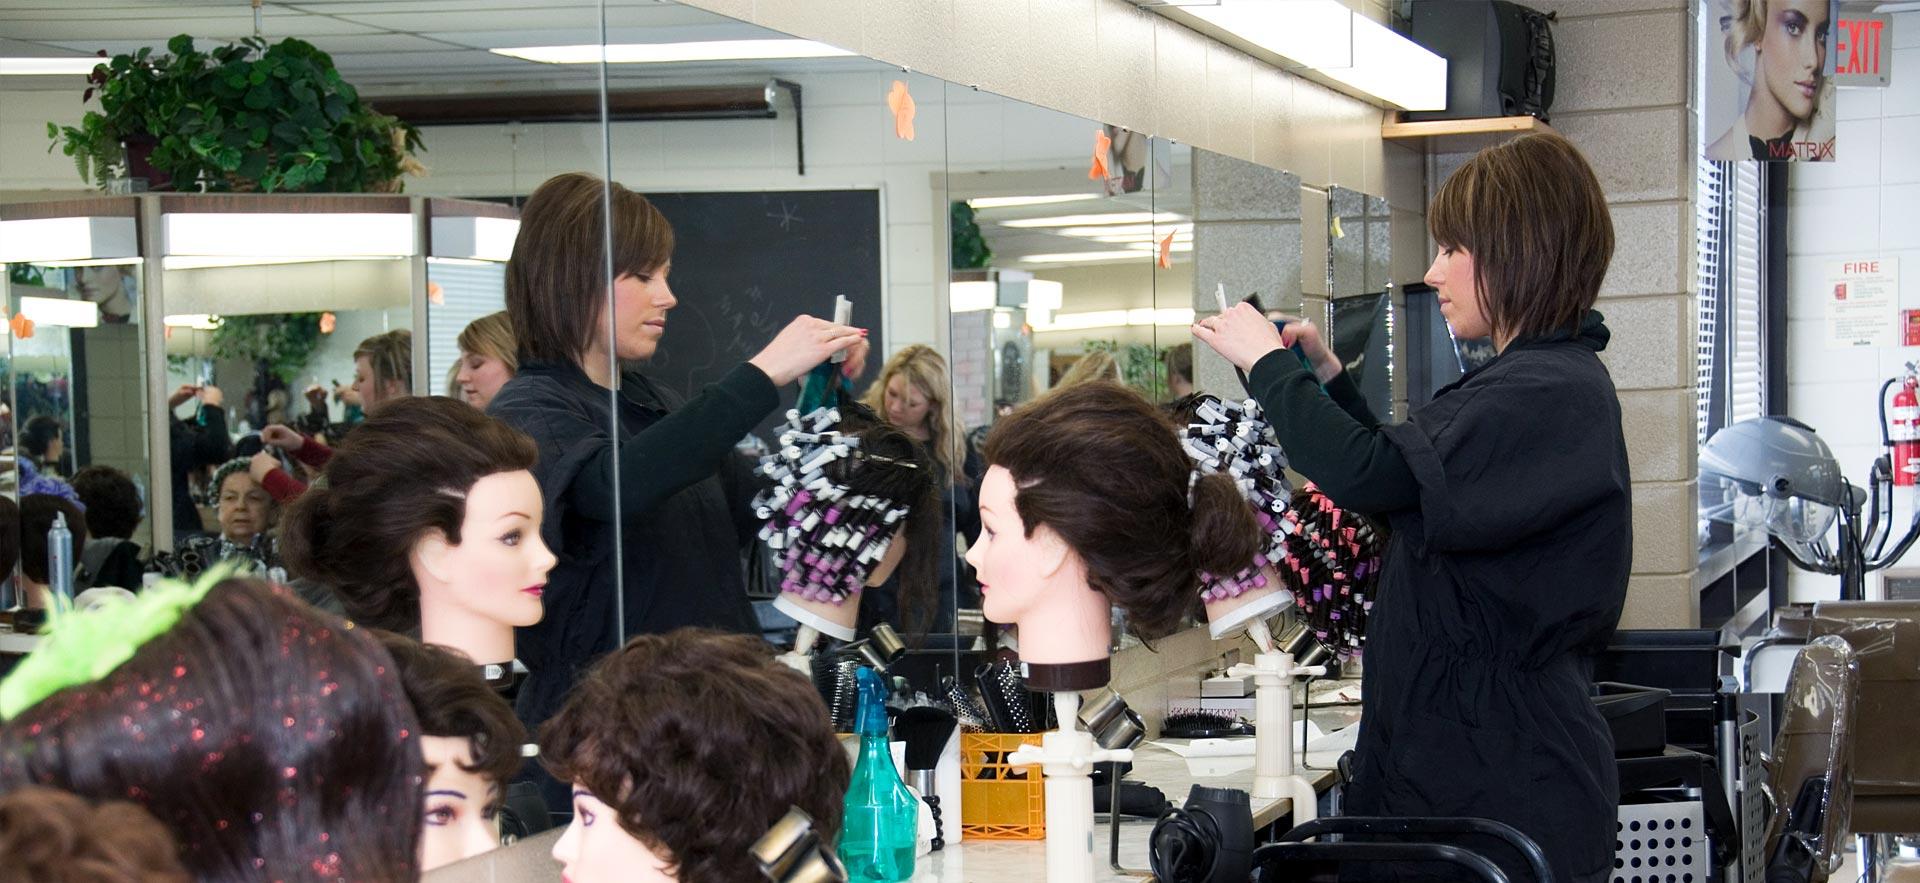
(1904, 433)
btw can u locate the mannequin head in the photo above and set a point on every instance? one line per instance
(249, 727)
(47, 834)
(471, 742)
(1240, 583)
(427, 512)
(1087, 491)
(682, 749)
(823, 569)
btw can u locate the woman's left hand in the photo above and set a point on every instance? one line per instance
(1240, 335)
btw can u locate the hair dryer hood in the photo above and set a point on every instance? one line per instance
(1772, 473)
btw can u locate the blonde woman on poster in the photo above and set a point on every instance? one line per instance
(1788, 109)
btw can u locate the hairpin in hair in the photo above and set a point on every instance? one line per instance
(80, 647)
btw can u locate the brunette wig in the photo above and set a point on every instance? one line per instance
(272, 741)
(404, 472)
(1102, 467)
(699, 741)
(50, 836)
(453, 701)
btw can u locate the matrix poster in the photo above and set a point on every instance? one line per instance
(1767, 79)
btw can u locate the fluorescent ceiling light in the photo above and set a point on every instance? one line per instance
(193, 262)
(480, 239)
(47, 240)
(658, 53)
(1335, 42)
(91, 262)
(1139, 317)
(1076, 257)
(289, 235)
(1045, 294)
(1177, 247)
(196, 321)
(985, 202)
(969, 297)
(1147, 237)
(49, 67)
(1128, 230)
(57, 311)
(1106, 218)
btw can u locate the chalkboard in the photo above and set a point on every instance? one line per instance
(744, 264)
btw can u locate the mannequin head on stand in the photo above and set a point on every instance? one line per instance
(682, 749)
(270, 740)
(1085, 504)
(427, 521)
(471, 742)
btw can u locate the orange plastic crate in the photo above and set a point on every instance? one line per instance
(999, 801)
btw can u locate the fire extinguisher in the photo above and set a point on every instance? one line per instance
(1904, 434)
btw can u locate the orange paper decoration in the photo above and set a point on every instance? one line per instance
(1166, 252)
(900, 101)
(21, 325)
(327, 323)
(436, 295)
(1102, 145)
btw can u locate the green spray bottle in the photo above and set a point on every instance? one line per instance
(882, 816)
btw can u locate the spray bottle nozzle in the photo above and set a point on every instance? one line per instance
(872, 718)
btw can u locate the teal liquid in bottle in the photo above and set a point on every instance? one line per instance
(877, 836)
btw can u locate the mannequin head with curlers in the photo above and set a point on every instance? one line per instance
(1085, 505)
(1234, 440)
(854, 498)
(428, 523)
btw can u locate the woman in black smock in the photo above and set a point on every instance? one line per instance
(680, 503)
(1507, 500)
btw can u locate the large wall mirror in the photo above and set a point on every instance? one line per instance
(992, 249)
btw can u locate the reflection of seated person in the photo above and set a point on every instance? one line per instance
(110, 557)
(37, 514)
(1096, 365)
(195, 445)
(1179, 362)
(681, 750)
(247, 514)
(43, 441)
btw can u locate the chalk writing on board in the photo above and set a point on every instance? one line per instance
(786, 217)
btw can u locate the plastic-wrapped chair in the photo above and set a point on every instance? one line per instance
(1812, 770)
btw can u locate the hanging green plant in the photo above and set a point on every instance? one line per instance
(251, 116)
(970, 251)
(285, 341)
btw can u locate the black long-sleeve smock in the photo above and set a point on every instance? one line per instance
(194, 446)
(1507, 498)
(684, 503)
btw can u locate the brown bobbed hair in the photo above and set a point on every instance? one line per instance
(50, 836)
(249, 729)
(453, 701)
(700, 741)
(1103, 468)
(390, 356)
(558, 276)
(403, 473)
(1532, 215)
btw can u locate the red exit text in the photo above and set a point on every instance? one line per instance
(1858, 49)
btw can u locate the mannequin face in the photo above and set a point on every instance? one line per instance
(1014, 568)
(458, 819)
(500, 566)
(245, 508)
(596, 849)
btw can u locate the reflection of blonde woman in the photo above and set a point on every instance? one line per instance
(1786, 106)
(913, 394)
(1096, 365)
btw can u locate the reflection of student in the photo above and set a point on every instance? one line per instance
(1783, 112)
(488, 359)
(111, 557)
(196, 445)
(44, 439)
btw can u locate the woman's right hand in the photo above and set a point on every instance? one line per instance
(803, 344)
(283, 438)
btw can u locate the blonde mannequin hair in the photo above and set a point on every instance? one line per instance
(926, 369)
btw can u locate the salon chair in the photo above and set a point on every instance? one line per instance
(1885, 638)
(1812, 772)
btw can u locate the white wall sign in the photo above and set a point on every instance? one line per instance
(1862, 296)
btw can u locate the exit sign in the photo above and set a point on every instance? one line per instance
(1862, 50)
